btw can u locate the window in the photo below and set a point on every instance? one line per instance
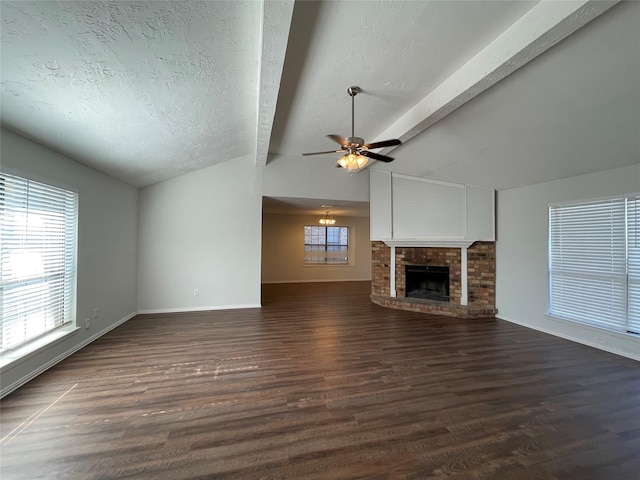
(37, 259)
(594, 263)
(326, 245)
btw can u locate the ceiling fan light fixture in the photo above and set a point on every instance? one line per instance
(352, 161)
(327, 220)
(354, 147)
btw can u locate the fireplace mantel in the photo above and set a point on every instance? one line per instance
(462, 244)
(429, 242)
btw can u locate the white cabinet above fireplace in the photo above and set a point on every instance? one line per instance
(414, 211)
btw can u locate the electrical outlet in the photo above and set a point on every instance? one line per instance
(196, 292)
(87, 323)
(95, 313)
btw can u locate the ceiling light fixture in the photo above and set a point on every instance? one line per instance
(352, 161)
(356, 152)
(327, 220)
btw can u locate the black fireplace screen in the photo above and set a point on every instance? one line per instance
(428, 282)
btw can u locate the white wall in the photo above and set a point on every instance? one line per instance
(313, 177)
(283, 250)
(201, 231)
(522, 254)
(107, 244)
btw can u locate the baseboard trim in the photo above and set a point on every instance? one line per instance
(17, 384)
(572, 338)
(197, 309)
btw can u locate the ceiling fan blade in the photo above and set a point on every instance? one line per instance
(384, 143)
(321, 153)
(376, 156)
(338, 139)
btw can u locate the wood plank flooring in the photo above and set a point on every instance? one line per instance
(322, 384)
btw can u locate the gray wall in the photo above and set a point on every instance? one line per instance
(522, 254)
(107, 248)
(201, 231)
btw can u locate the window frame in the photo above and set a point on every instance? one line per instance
(591, 269)
(49, 235)
(326, 263)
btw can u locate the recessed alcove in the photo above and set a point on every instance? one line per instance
(471, 278)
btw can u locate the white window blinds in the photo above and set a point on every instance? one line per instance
(588, 263)
(633, 254)
(38, 225)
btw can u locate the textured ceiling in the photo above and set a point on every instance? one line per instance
(149, 90)
(572, 111)
(397, 52)
(141, 90)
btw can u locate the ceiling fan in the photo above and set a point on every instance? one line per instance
(356, 152)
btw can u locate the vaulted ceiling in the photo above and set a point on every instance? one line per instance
(495, 93)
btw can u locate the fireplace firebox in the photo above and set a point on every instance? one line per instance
(428, 282)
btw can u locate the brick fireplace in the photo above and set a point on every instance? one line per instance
(469, 297)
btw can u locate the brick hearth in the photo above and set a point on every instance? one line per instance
(480, 279)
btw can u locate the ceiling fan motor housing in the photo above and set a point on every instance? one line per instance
(358, 151)
(356, 142)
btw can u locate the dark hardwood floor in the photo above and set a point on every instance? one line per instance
(322, 384)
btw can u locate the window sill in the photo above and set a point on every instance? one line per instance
(595, 328)
(327, 265)
(14, 357)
